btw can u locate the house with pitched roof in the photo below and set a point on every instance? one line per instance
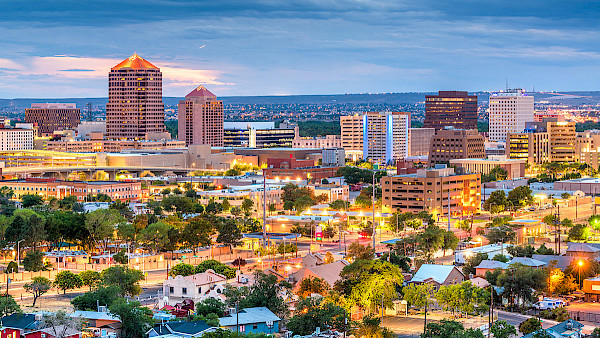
(29, 325)
(328, 272)
(583, 250)
(183, 329)
(438, 275)
(197, 287)
(255, 320)
(101, 323)
(567, 329)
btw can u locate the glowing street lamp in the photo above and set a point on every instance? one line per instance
(580, 265)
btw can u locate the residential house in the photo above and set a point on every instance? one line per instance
(583, 250)
(489, 265)
(561, 262)
(183, 329)
(567, 329)
(438, 275)
(197, 287)
(328, 272)
(29, 325)
(255, 320)
(101, 323)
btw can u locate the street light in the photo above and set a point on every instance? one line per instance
(580, 264)
(19, 251)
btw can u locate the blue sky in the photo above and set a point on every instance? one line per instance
(264, 47)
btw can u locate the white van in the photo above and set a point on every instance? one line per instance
(549, 304)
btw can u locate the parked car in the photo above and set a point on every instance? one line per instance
(549, 304)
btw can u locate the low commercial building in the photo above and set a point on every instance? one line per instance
(235, 195)
(333, 192)
(42, 158)
(49, 187)
(111, 146)
(329, 141)
(590, 186)
(433, 190)
(514, 167)
(291, 168)
(450, 143)
(257, 135)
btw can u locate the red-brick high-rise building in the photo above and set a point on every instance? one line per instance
(135, 105)
(451, 109)
(51, 117)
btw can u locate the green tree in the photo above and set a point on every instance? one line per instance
(496, 203)
(103, 296)
(121, 257)
(360, 252)
(264, 292)
(155, 235)
(126, 279)
(247, 205)
(530, 325)
(101, 225)
(90, 278)
(181, 269)
(501, 258)
(418, 295)
(31, 200)
(314, 312)
(216, 266)
(229, 234)
(197, 232)
(312, 285)
(288, 205)
(8, 306)
(371, 327)
(519, 281)
(501, 329)
(37, 287)
(579, 232)
(210, 305)
(501, 234)
(66, 280)
(34, 261)
(136, 319)
(35, 231)
(272, 208)
(520, 196)
(338, 205)
(521, 251)
(226, 205)
(473, 261)
(431, 240)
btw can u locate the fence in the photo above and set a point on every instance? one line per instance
(591, 317)
(27, 275)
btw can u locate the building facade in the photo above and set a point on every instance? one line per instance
(200, 118)
(420, 140)
(110, 146)
(433, 190)
(451, 109)
(135, 105)
(16, 139)
(385, 136)
(334, 157)
(448, 144)
(329, 141)
(257, 135)
(508, 113)
(548, 141)
(351, 127)
(49, 188)
(51, 117)
(514, 167)
(533, 147)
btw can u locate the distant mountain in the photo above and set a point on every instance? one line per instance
(573, 98)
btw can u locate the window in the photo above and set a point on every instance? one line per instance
(254, 326)
(171, 289)
(242, 328)
(184, 291)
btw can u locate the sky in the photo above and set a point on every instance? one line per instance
(65, 48)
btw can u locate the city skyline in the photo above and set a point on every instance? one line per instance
(65, 49)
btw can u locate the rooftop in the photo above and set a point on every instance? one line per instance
(249, 316)
(201, 91)
(134, 62)
(438, 272)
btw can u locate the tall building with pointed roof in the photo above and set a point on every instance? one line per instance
(200, 118)
(135, 105)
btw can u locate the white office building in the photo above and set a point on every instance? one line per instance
(508, 112)
(16, 139)
(385, 136)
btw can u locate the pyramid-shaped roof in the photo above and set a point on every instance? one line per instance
(201, 91)
(134, 62)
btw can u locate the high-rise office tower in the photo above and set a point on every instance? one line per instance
(450, 143)
(509, 112)
(51, 117)
(385, 136)
(451, 109)
(200, 118)
(351, 127)
(135, 105)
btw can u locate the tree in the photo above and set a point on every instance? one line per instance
(338, 205)
(210, 305)
(223, 333)
(217, 267)
(521, 251)
(496, 174)
(501, 234)
(35, 231)
(501, 258)
(155, 235)
(126, 279)
(181, 269)
(136, 319)
(101, 225)
(418, 295)
(450, 241)
(103, 296)
(272, 208)
(121, 257)
(449, 329)
(38, 286)
(34, 261)
(519, 281)
(358, 251)
(496, 203)
(312, 285)
(229, 234)
(530, 325)
(288, 205)
(247, 205)
(226, 205)
(31, 200)
(565, 195)
(371, 327)
(197, 232)
(314, 312)
(8, 306)
(520, 196)
(431, 240)
(472, 262)
(60, 324)
(501, 329)
(90, 278)
(579, 232)
(66, 280)
(264, 292)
